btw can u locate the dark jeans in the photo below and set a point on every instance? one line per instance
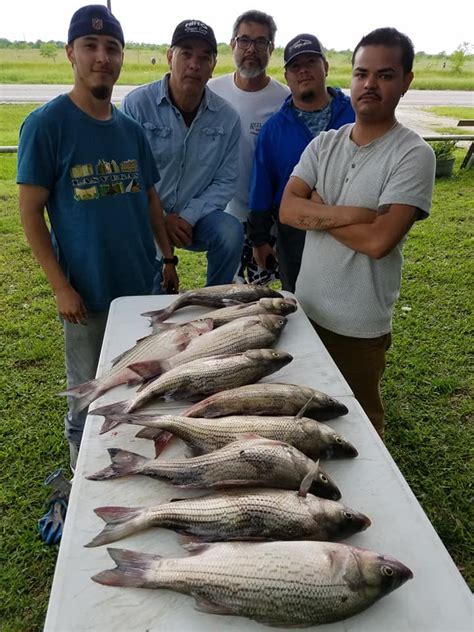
(362, 362)
(220, 235)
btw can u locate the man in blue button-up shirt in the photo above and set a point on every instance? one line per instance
(194, 135)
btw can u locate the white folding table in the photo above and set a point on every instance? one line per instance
(436, 600)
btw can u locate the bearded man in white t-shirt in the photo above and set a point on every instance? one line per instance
(255, 96)
(357, 191)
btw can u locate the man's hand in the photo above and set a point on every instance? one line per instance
(180, 232)
(70, 306)
(170, 282)
(261, 253)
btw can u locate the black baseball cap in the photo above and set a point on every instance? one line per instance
(94, 19)
(302, 43)
(194, 28)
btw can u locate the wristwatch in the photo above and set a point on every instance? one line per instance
(173, 260)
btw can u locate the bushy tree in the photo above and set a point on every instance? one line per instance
(49, 50)
(458, 57)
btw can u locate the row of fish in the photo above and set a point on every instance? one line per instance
(262, 444)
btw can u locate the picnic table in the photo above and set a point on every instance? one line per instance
(436, 600)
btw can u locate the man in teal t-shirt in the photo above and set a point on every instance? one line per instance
(92, 169)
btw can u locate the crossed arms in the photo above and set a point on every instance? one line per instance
(371, 232)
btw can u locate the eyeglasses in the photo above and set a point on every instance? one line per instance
(259, 43)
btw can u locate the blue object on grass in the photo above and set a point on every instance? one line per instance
(50, 526)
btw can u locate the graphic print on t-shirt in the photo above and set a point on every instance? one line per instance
(104, 179)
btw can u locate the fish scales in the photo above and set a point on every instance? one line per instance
(313, 438)
(215, 296)
(244, 514)
(251, 332)
(269, 399)
(277, 583)
(276, 306)
(205, 376)
(254, 462)
(156, 346)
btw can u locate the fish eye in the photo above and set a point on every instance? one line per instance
(324, 478)
(338, 440)
(275, 354)
(348, 515)
(387, 571)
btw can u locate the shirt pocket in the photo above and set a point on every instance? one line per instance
(159, 137)
(211, 142)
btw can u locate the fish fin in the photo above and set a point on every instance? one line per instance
(117, 359)
(83, 394)
(161, 438)
(123, 464)
(210, 607)
(118, 408)
(149, 433)
(246, 436)
(232, 301)
(304, 408)
(112, 421)
(132, 568)
(149, 368)
(196, 548)
(184, 539)
(308, 479)
(158, 315)
(121, 521)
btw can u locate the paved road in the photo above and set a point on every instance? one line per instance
(40, 93)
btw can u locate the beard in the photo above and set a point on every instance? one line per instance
(308, 95)
(251, 72)
(101, 92)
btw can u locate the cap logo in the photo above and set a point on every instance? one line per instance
(97, 24)
(196, 27)
(300, 43)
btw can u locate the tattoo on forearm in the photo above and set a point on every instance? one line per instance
(383, 209)
(310, 222)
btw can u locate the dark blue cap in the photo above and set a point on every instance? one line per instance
(94, 19)
(302, 43)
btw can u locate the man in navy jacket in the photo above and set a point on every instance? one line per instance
(310, 109)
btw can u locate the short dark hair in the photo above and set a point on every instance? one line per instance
(260, 18)
(392, 38)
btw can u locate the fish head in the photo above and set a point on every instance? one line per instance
(335, 446)
(324, 486)
(339, 521)
(282, 306)
(350, 522)
(381, 573)
(271, 359)
(273, 322)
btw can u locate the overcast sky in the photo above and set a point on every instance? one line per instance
(433, 26)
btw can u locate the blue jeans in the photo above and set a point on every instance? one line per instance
(82, 345)
(220, 235)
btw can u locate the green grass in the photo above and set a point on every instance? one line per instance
(451, 111)
(27, 66)
(427, 387)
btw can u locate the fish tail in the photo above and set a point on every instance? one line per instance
(119, 408)
(123, 464)
(121, 522)
(160, 437)
(132, 569)
(112, 421)
(83, 394)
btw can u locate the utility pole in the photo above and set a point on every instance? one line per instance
(109, 5)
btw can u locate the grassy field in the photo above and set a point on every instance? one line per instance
(427, 388)
(27, 66)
